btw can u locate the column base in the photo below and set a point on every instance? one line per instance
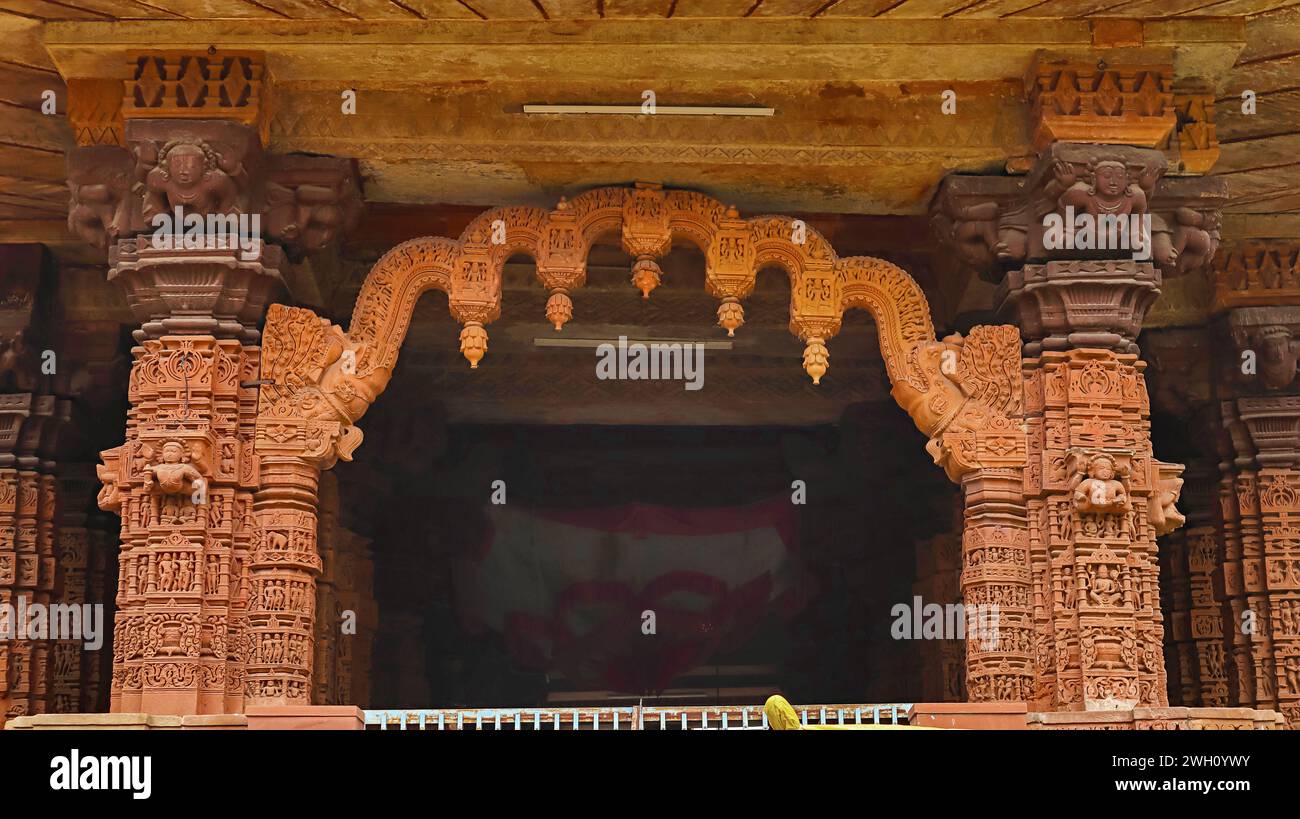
(96, 722)
(286, 717)
(984, 716)
(305, 717)
(1160, 719)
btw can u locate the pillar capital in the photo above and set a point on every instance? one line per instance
(219, 292)
(1273, 423)
(185, 133)
(1065, 304)
(211, 84)
(997, 223)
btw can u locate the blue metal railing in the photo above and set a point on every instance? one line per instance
(640, 718)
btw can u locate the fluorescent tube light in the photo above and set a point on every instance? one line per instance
(659, 111)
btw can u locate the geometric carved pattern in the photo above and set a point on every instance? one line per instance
(197, 85)
(1257, 273)
(1088, 101)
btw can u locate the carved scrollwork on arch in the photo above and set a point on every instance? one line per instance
(326, 378)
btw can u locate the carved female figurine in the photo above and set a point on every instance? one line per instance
(184, 576)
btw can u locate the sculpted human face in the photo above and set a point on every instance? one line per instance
(1111, 180)
(1103, 470)
(171, 454)
(185, 164)
(1277, 362)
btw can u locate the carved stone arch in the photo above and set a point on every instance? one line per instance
(522, 231)
(598, 212)
(696, 218)
(318, 380)
(898, 305)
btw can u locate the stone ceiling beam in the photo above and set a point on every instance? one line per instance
(397, 52)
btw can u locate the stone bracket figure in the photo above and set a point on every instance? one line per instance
(1269, 334)
(190, 172)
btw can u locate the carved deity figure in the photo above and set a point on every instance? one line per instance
(1100, 492)
(212, 580)
(184, 574)
(309, 217)
(189, 175)
(1106, 188)
(1104, 590)
(1292, 669)
(167, 573)
(1186, 242)
(972, 231)
(174, 477)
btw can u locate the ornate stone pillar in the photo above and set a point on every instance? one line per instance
(1257, 299)
(101, 585)
(1181, 382)
(23, 568)
(1093, 495)
(356, 594)
(31, 421)
(282, 574)
(938, 580)
(68, 673)
(183, 483)
(1096, 503)
(324, 675)
(215, 591)
(1261, 576)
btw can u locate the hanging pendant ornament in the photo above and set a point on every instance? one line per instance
(473, 343)
(731, 315)
(646, 275)
(559, 308)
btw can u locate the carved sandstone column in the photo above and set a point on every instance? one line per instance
(1257, 298)
(213, 609)
(324, 678)
(356, 595)
(77, 485)
(1097, 497)
(1182, 382)
(183, 484)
